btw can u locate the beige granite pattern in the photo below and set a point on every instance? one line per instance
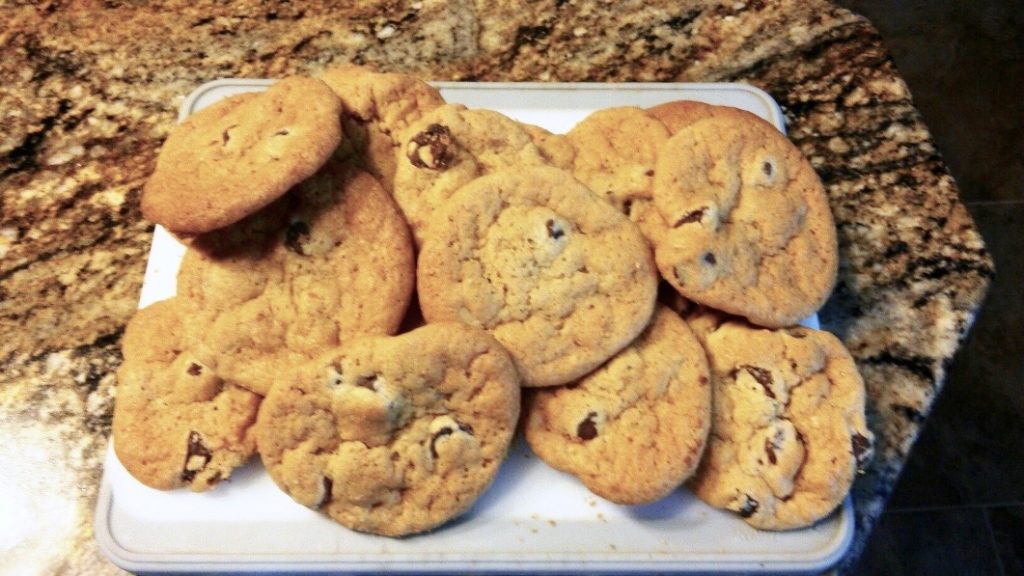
(89, 89)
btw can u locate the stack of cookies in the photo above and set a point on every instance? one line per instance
(380, 288)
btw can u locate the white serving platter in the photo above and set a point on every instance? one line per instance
(533, 519)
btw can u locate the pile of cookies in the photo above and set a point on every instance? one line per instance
(381, 288)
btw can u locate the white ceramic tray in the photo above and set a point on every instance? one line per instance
(533, 519)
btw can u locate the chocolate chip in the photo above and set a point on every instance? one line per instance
(197, 456)
(709, 257)
(627, 207)
(767, 168)
(334, 376)
(649, 173)
(554, 230)
(769, 450)
(763, 377)
(225, 136)
(587, 429)
(432, 148)
(749, 507)
(295, 235)
(368, 382)
(446, 431)
(862, 449)
(328, 485)
(194, 369)
(690, 218)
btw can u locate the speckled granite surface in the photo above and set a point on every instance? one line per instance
(88, 91)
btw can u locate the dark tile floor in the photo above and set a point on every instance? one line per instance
(959, 505)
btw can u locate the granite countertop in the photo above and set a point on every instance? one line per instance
(89, 90)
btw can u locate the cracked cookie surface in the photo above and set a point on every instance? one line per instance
(448, 148)
(616, 153)
(177, 424)
(647, 409)
(330, 261)
(394, 435)
(788, 433)
(376, 108)
(555, 148)
(557, 275)
(231, 159)
(679, 114)
(749, 228)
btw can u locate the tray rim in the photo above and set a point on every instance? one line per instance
(323, 563)
(138, 562)
(777, 117)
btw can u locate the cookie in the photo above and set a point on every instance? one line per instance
(393, 435)
(448, 148)
(557, 275)
(788, 433)
(331, 261)
(647, 409)
(615, 154)
(750, 231)
(377, 107)
(240, 154)
(176, 423)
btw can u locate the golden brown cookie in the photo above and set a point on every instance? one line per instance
(377, 107)
(616, 151)
(240, 154)
(788, 433)
(634, 429)
(448, 148)
(750, 231)
(557, 275)
(176, 423)
(328, 262)
(393, 435)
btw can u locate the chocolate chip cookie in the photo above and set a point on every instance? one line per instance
(749, 228)
(647, 409)
(240, 154)
(393, 435)
(330, 261)
(556, 274)
(788, 433)
(176, 422)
